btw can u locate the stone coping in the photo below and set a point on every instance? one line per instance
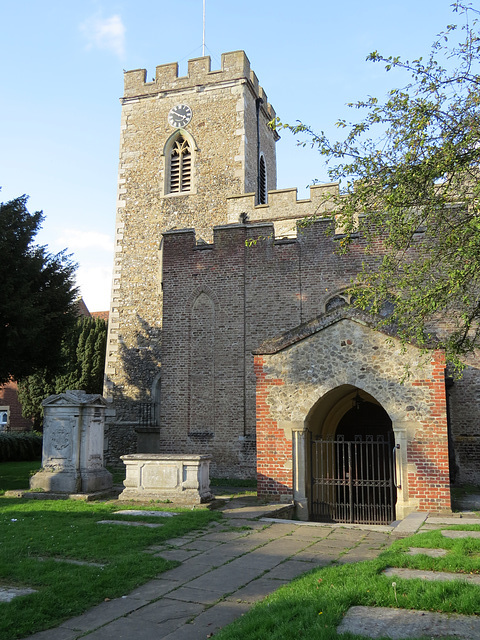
(165, 456)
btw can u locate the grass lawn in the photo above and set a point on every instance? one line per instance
(35, 534)
(16, 475)
(313, 605)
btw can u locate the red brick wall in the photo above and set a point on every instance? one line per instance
(9, 398)
(274, 451)
(429, 449)
(258, 292)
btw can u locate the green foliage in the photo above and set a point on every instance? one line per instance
(38, 294)
(409, 172)
(35, 535)
(20, 446)
(81, 366)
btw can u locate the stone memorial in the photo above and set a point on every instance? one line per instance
(72, 455)
(155, 476)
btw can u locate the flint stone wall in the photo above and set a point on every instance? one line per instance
(292, 380)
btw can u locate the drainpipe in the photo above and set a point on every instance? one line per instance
(258, 104)
(452, 465)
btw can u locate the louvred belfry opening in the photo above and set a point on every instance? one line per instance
(180, 166)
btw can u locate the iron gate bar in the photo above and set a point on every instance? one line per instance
(352, 480)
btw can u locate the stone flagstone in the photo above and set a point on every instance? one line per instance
(382, 622)
(452, 520)
(432, 553)
(80, 563)
(411, 574)
(131, 523)
(7, 594)
(155, 514)
(236, 567)
(460, 534)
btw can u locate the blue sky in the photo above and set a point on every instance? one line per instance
(62, 62)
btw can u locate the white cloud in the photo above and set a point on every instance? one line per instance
(76, 239)
(95, 284)
(105, 33)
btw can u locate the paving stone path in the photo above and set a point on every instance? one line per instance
(233, 564)
(223, 572)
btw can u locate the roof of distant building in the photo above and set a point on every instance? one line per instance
(103, 315)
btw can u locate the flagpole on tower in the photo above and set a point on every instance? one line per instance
(203, 45)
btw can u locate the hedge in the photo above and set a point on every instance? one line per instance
(15, 447)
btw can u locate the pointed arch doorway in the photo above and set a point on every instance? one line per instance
(351, 459)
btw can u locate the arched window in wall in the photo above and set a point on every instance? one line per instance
(262, 181)
(202, 365)
(180, 166)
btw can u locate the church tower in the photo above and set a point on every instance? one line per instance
(187, 143)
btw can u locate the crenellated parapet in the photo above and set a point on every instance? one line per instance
(283, 204)
(235, 66)
(232, 237)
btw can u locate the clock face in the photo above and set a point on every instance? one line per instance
(179, 116)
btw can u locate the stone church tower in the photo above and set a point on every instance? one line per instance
(231, 331)
(186, 144)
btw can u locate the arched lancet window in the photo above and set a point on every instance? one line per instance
(180, 166)
(262, 181)
(202, 365)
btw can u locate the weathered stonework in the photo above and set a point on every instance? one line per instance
(294, 381)
(183, 479)
(72, 456)
(225, 140)
(206, 279)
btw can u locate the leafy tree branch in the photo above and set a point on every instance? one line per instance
(409, 175)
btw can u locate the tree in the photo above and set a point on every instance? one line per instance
(81, 366)
(411, 167)
(38, 297)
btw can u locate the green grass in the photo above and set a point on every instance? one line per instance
(31, 530)
(16, 475)
(313, 605)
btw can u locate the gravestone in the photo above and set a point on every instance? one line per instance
(72, 455)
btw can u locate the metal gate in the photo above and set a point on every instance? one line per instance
(352, 480)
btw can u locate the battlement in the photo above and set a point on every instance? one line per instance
(240, 236)
(234, 66)
(283, 204)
